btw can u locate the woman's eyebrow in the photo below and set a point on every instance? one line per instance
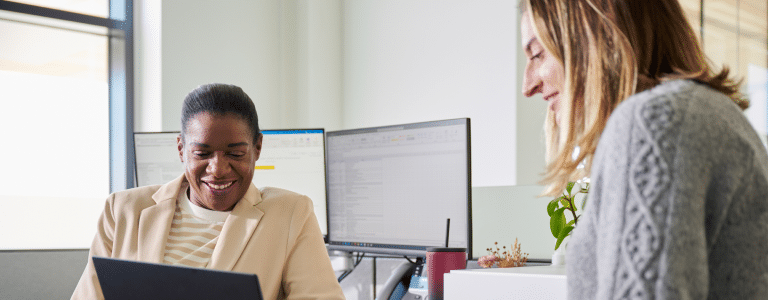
(237, 144)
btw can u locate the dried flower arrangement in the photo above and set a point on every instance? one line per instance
(513, 258)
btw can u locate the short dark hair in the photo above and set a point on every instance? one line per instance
(220, 99)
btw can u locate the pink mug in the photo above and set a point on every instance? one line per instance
(439, 262)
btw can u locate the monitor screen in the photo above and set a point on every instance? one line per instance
(392, 189)
(290, 159)
(295, 160)
(157, 158)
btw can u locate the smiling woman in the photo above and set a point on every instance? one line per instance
(212, 216)
(677, 200)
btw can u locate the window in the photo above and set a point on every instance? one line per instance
(64, 79)
(734, 33)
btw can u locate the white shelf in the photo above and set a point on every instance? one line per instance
(531, 282)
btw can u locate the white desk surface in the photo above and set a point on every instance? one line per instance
(530, 282)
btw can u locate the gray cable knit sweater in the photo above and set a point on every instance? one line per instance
(678, 204)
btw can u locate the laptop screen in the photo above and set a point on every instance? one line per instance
(133, 280)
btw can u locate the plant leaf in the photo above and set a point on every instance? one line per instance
(552, 206)
(569, 187)
(584, 201)
(563, 234)
(557, 222)
(571, 223)
(557, 244)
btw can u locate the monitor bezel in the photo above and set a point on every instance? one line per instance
(401, 250)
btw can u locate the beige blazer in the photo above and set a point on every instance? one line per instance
(272, 233)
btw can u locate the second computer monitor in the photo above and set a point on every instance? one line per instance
(392, 189)
(295, 160)
(157, 157)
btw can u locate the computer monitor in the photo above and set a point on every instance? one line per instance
(290, 159)
(157, 158)
(295, 160)
(391, 189)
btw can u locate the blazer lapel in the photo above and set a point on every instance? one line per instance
(155, 222)
(237, 231)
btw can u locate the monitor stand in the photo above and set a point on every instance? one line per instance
(407, 282)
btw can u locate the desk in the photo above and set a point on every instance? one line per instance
(530, 282)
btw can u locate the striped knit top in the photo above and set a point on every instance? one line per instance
(194, 233)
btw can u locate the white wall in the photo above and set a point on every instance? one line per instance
(285, 54)
(220, 41)
(147, 57)
(348, 64)
(409, 61)
(312, 63)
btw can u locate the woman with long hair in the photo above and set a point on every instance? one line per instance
(678, 204)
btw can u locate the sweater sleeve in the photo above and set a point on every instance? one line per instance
(643, 233)
(662, 245)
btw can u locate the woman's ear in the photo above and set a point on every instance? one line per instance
(180, 146)
(257, 146)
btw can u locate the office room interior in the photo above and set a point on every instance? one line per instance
(330, 64)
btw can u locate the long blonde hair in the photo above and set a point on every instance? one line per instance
(610, 50)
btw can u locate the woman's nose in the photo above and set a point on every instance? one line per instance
(531, 83)
(218, 166)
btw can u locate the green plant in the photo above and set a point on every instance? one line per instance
(560, 226)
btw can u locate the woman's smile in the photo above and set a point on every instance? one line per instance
(220, 188)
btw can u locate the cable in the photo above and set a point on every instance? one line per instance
(360, 259)
(344, 275)
(409, 260)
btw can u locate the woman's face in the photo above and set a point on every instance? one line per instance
(219, 157)
(543, 72)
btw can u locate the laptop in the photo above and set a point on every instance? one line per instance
(132, 280)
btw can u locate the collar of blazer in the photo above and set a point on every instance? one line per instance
(155, 223)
